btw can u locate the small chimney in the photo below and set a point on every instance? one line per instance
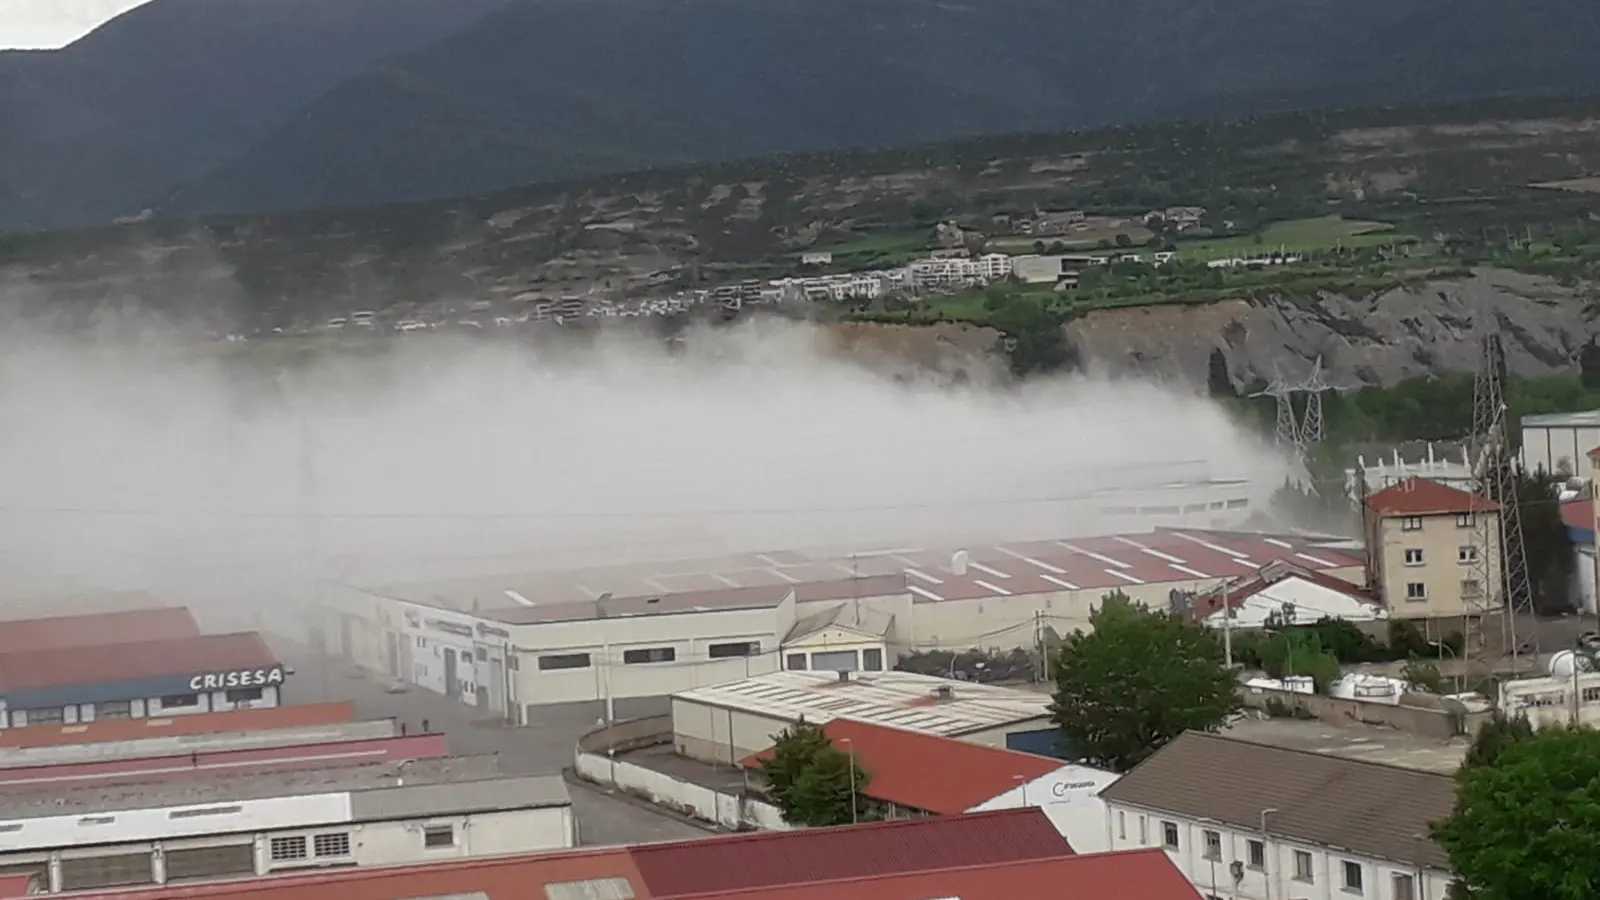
(958, 563)
(944, 692)
(844, 676)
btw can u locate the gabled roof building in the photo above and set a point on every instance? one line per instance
(1297, 823)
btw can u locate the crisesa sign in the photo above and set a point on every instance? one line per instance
(238, 678)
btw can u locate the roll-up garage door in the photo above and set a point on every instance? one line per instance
(105, 871)
(211, 862)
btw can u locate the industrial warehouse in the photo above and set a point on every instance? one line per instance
(640, 633)
(129, 664)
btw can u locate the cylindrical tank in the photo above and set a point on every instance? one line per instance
(1561, 664)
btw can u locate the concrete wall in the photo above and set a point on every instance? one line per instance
(1409, 717)
(724, 808)
(714, 734)
(1439, 540)
(1289, 869)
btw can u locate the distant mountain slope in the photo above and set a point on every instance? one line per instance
(555, 88)
(159, 95)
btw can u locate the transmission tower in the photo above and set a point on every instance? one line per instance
(1286, 434)
(1503, 583)
(1311, 423)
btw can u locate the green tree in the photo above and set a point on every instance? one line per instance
(1136, 681)
(1494, 737)
(811, 780)
(1527, 825)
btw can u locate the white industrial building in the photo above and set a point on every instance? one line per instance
(644, 632)
(1559, 443)
(727, 722)
(1285, 594)
(1249, 821)
(160, 833)
(1570, 694)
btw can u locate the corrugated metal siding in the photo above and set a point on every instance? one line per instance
(211, 862)
(748, 862)
(106, 871)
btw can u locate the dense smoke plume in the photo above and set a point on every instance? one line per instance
(143, 463)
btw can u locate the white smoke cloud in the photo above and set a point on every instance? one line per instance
(143, 464)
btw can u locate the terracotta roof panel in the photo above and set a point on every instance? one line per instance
(102, 730)
(1423, 497)
(121, 627)
(123, 662)
(768, 859)
(927, 772)
(1125, 875)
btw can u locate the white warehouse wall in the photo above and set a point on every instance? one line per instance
(1070, 797)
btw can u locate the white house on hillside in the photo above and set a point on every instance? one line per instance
(1282, 592)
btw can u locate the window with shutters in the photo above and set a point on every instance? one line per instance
(287, 848)
(439, 836)
(335, 844)
(106, 871)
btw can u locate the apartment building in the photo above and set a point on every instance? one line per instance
(1430, 546)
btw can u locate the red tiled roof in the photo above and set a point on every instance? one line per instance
(1424, 497)
(1235, 593)
(927, 772)
(124, 627)
(1122, 875)
(203, 765)
(103, 730)
(1592, 454)
(502, 878)
(772, 858)
(123, 662)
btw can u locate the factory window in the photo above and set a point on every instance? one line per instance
(1465, 520)
(1466, 555)
(1169, 835)
(286, 848)
(512, 664)
(564, 661)
(1256, 855)
(44, 716)
(113, 709)
(1404, 887)
(1213, 845)
(735, 649)
(177, 701)
(1471, 589)
(481, 654)
(244, 695)
(1591, 695)
(872, 659)
(439, 836)
(1352, 877)
(1411, 523)
(649, 655)
(796, 663)
(1302, 866)
(1416, 590)
(335, 844)
(1413, 557)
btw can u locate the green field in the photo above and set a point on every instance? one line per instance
(1296, 236)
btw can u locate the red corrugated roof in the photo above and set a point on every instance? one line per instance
(123, 662)
(204, 723)
(1236, 592)
(502, 878)
(923, 771)
(772, 858)
(1424, 497)
(1123, 875)
(124, 627)
(214, 764)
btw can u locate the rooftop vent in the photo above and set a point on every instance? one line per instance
(844, 675)
(944, 692)
(958, 563)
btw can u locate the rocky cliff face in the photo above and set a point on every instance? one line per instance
(1382, 339)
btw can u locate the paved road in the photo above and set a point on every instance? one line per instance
(543, 748)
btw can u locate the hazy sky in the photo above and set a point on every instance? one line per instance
(44, 24)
